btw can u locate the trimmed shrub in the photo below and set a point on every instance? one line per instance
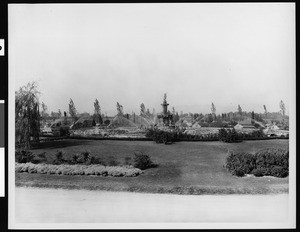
(112, 161)
(279, 171)
(142, 161)
(239, 172)
(244, 162)
(86, 156)
(74, 159)
(24, 156)
(258, 172)
(59, 158)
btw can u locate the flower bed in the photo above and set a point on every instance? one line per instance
(66, 169)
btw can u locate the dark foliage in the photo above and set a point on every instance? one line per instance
(106, 122)
(228, 135)
(259, 172)
(279, 171)
(112, 161)
(128, 160)
(24, 156)
(59, 158)
(142, 161)
(266, 162)
(161, 136)
(85, 158)
(64, 132)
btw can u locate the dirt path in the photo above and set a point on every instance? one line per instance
(35, 205)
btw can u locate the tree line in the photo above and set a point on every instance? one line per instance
(29, 112)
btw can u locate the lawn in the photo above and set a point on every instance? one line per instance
(183, 167)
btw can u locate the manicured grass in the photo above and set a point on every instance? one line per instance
(183, 167)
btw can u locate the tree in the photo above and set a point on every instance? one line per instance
(153, 112)
(133, 117)
(97, 112)
(266, 112)
(59, 113)
(265, 109)
(72, 110)
(119, 109)
(97, 109)
(27, 115)
(252, 115)
(240, 111)
(209, 118)
(213, 110)
(282, 109)
(176, 117)
(143, 109)
(44, 113)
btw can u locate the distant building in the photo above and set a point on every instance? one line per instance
(273, 127)
(196, 125)
(247, 123)
(238, 127)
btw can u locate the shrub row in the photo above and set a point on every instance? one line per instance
(140, 160)
(266, 162)
(66, 169)
(161, 136)
(228, 135)
(224, 134)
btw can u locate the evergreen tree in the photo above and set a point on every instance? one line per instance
(72, 110)
(282, 109)
(252, 115)
(143, 109)
(119, 109)
(59, 113)
(97, 112)
(213, 110)
(240, 111)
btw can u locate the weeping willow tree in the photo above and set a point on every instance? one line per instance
(27, 116)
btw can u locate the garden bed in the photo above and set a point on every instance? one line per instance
(65, 169)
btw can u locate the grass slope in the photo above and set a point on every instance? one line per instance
(184, 168)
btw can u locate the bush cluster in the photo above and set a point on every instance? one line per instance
(142, 161)
(83, 158)
(25, 156)
(161, 136)
(66, 169)
(228, 135)
(252, 134)
(197, 137)
(266, 162)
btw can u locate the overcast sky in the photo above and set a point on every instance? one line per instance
(228, 54)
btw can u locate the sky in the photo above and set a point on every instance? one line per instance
(225, 53)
